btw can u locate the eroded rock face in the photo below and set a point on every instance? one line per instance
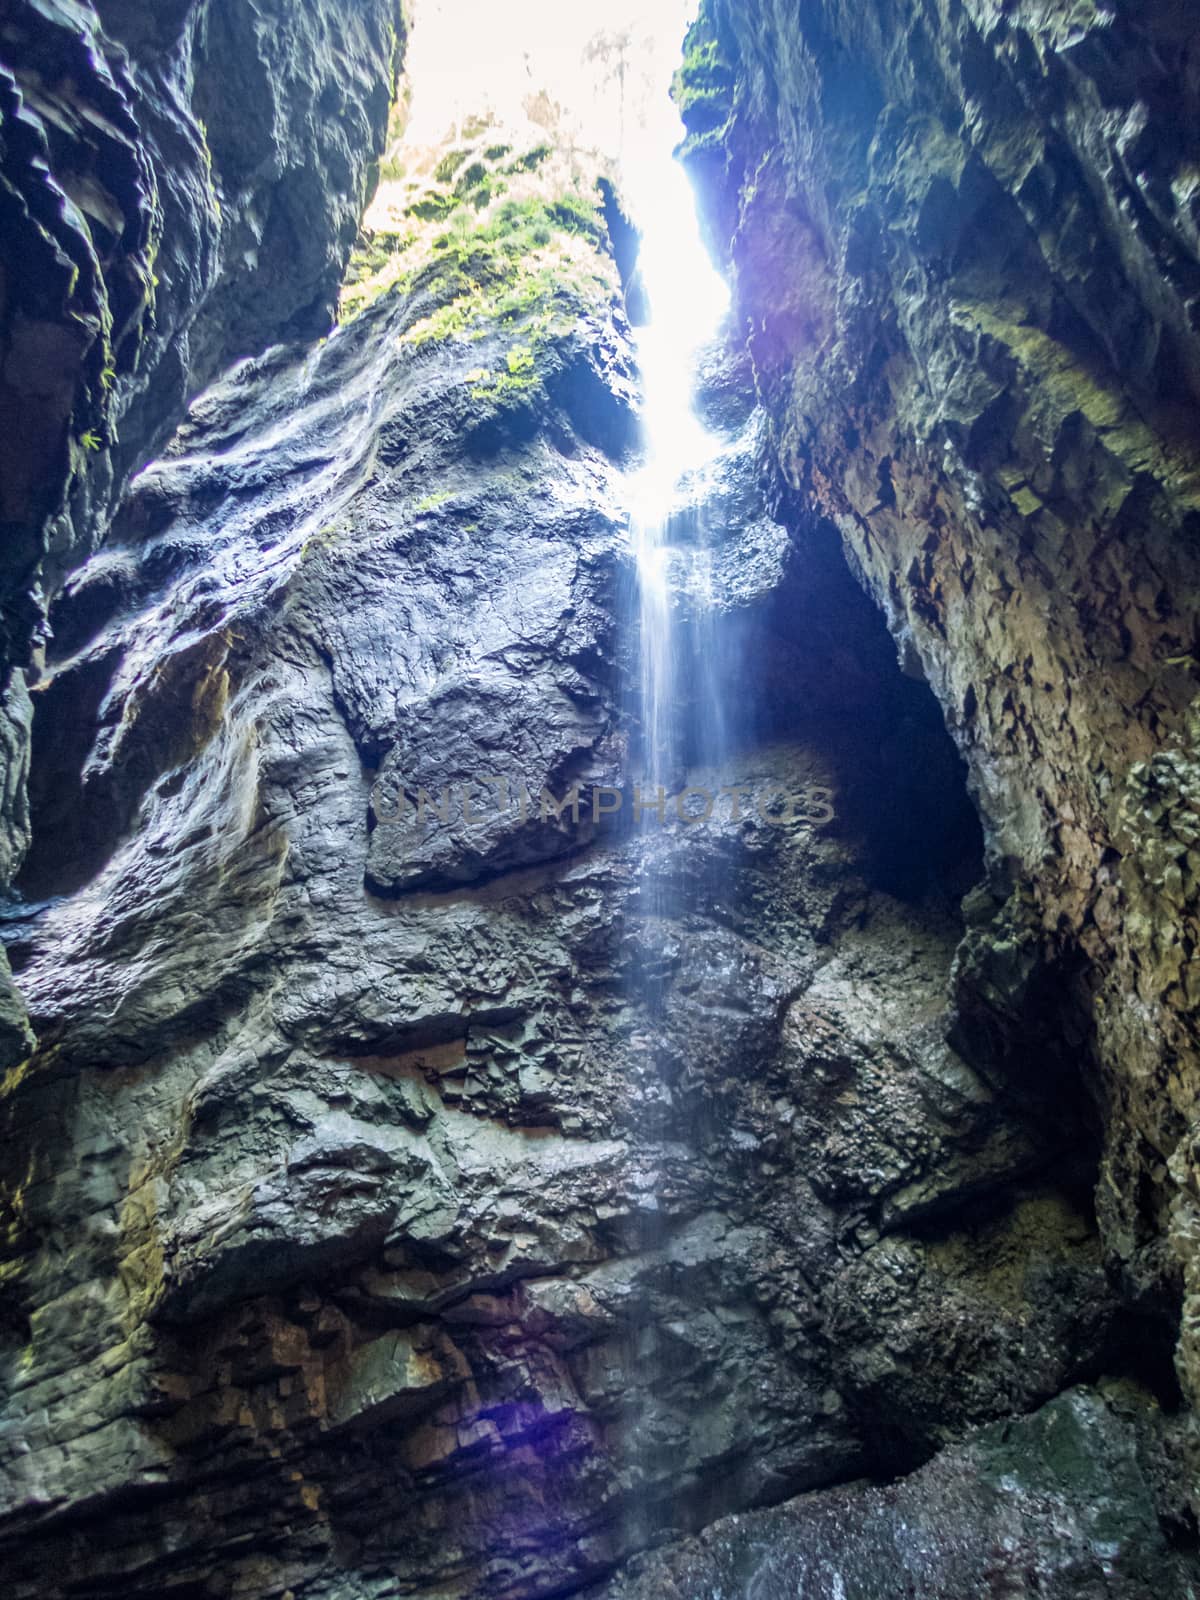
(408, 1204)
(1069, 1498)
(403, 1196)
(181, 187)
(964, 242)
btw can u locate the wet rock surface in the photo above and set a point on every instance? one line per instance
(396, 1193)
(397, 1201)
(965, 255)
(179, 187)
(1063, 1503)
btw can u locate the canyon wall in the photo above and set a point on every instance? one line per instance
(964, 240)
(180, 186)
(397, 1203)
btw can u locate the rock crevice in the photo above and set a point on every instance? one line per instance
(964, 251)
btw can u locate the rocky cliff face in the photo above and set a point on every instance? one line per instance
(396, 1202)
(1065, 1498)
(179, 187)
(964, 240)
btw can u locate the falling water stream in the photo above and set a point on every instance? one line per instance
(686, 301)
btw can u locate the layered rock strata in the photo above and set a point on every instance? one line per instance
(964, 245)
(397, 1202)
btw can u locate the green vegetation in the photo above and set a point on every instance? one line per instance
(490, 189)
(579, 214)
(520, 361)
(517, 264)
(432, 501)
(531, 266)
(479, 186)
(433, 207)
(519, 378)
(91, 440)
(475, 174)
(378, 265)
(431, 215)
(491, 244)
(449, 164)
(531, 160)
(703, 85)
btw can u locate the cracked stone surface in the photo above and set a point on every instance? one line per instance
(408, 1205)
(964, 248)
(409, 1188)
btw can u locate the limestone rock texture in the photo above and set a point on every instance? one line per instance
(965, 250)
(180, 186)
(1068, 1495)
(405, 1195)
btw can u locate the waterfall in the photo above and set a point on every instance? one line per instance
(686, 301)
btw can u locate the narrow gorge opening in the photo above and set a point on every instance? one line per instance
(598, 763)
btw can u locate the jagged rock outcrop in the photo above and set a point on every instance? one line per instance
(1070, 1498)
(402, 1196)
(178, 188)
(402, 1199)
(964, 243)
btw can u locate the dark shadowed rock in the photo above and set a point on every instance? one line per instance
(400, 1199)
(180, 186)
(965, 256)
(1067, 1503)
(414, 1164)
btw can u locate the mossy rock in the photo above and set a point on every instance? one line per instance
(474, 175)
(449, 164)
(433, 207)
(531, 160)
(703, 86)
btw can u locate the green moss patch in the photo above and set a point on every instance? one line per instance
(703, 86)
(532, 261)
(458, 234)
(449, 165)
(531, 160)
